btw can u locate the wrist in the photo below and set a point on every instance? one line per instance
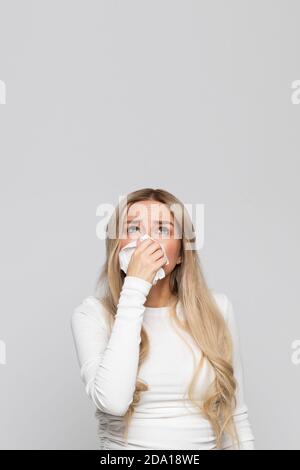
(138, 283)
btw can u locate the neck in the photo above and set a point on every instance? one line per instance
(160, 294)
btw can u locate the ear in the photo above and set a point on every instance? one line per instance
(179, 260)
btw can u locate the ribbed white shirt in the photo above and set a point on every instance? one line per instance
(164, 418)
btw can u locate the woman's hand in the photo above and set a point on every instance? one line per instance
(146, 260)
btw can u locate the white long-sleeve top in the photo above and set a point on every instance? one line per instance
(164, 418)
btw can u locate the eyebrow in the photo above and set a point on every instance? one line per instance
(156, 221)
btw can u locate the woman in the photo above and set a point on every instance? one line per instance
(160, 359)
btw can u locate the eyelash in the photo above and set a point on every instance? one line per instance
(168, 231)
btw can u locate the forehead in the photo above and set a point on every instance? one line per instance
(149, 210)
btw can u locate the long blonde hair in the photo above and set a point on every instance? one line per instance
(202, 317)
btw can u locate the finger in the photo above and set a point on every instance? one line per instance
(160, 262)
(142, 245)
(153, 247)
(159, 254)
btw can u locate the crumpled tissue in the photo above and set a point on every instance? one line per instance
(126, 252)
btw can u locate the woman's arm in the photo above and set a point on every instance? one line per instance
(240, 416)
(109, 363)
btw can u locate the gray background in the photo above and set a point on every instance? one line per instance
(105, 97)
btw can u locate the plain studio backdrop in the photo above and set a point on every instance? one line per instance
(105, 97)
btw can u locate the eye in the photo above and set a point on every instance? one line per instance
(165, 229)
(130, 227)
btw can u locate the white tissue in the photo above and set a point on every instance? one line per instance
(127, 251)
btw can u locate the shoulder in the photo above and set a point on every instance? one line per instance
(89, 309)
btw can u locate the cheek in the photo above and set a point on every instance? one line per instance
(123, 242)
(172, 250)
